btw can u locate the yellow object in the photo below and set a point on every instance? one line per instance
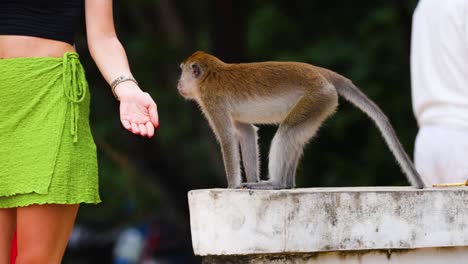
(450, 184)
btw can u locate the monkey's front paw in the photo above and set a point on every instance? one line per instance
(263, 185)
(245, 185)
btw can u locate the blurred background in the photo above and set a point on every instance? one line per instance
(144, 183)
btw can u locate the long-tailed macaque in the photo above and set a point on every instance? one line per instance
(297, 96)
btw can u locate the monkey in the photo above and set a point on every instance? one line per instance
(298, 97)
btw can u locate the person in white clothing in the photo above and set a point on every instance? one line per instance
(439, 80)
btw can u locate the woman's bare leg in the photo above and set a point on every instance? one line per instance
(43, 232)
(7, 227)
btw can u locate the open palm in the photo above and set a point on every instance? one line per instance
(138, 113)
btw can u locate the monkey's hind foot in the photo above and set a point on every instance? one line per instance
(263, 185)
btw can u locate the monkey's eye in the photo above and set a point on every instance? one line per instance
(196, 70)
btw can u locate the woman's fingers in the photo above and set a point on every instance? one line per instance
(143, 130)
(146, 129)
(126, 124)
(135, 128)
(150, 129)
(153, 113)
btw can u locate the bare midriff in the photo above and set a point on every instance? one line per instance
(25, 46)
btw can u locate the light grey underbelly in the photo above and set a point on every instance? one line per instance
(271, 110)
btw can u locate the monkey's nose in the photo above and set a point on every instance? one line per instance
(181, 90)
(179, 86)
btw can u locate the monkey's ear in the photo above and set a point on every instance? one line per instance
(196, 70)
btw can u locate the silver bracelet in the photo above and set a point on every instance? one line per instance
(120, 80)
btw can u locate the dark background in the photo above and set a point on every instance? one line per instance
(144, 183)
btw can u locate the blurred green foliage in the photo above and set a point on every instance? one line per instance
(367, 41)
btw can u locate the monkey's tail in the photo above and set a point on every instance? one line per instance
(350, 92)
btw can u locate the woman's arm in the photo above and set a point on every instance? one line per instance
(138, 112)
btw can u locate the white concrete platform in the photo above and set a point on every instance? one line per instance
(319, 221)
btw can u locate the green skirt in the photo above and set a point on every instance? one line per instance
(47, 153)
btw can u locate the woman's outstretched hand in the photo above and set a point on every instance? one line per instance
(138, 111)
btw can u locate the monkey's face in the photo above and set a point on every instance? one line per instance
(188, 82)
